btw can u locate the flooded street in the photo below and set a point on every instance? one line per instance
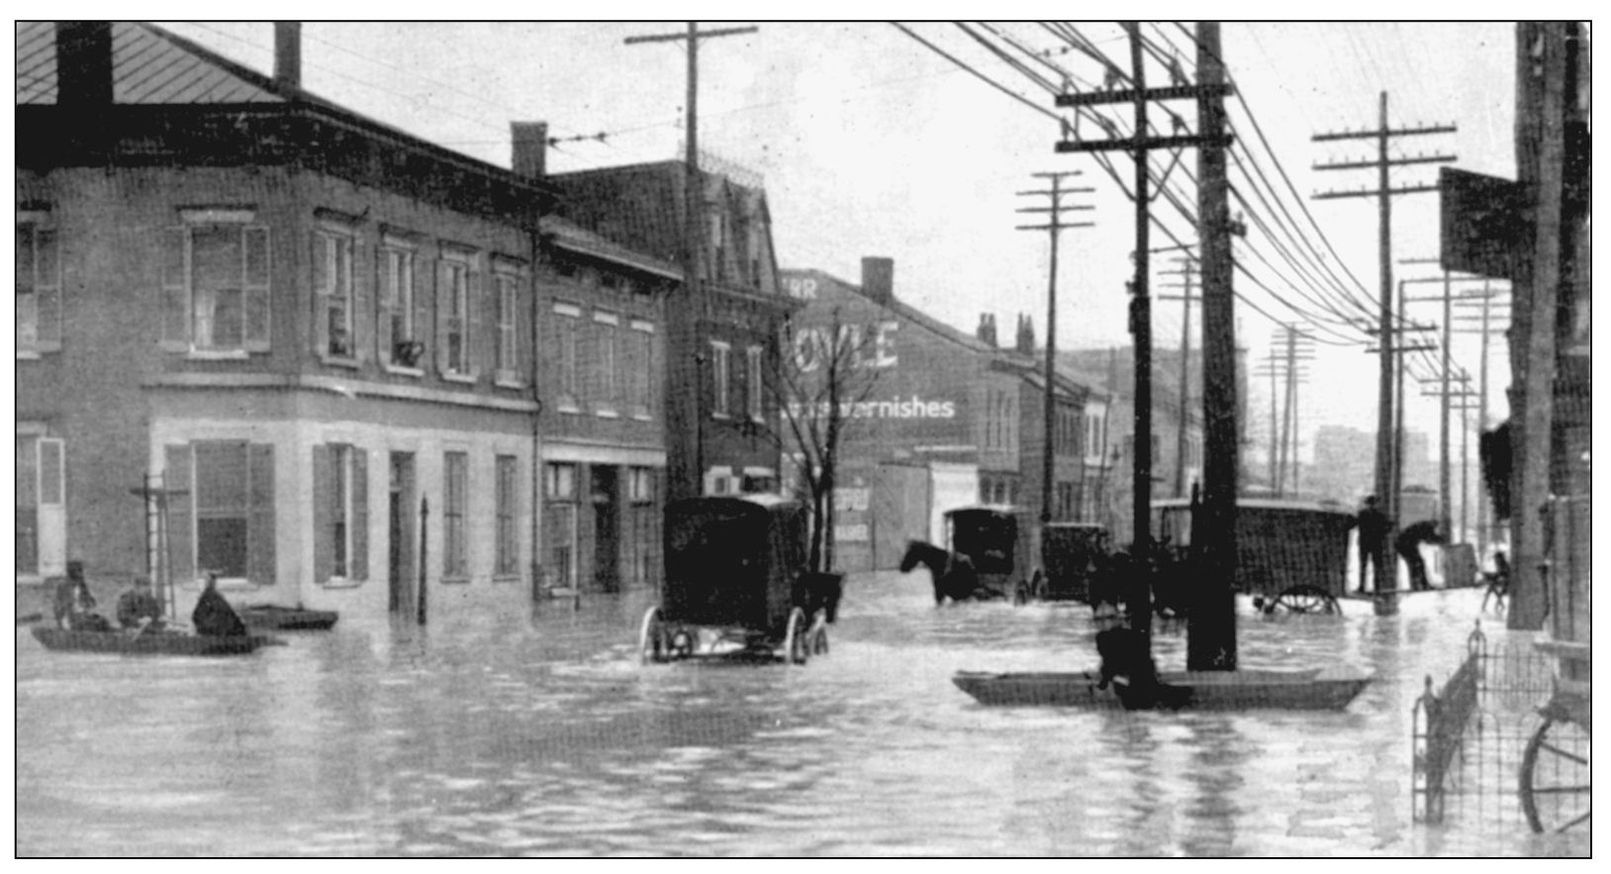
(544, 735)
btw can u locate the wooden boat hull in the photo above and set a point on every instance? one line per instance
(158, 643)
(1196, 690)
(287, 618)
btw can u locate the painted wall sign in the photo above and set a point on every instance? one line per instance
(813, 346)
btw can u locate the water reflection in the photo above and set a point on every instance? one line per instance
(540, 734)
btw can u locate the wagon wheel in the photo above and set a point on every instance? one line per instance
(1555, 777)
(819, 635)
(652, 642)
(795, 642)
(1306, 599)
(680, 644)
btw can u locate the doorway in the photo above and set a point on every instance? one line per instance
(606, 527)
(400, 566)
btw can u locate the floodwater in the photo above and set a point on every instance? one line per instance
(543, 735)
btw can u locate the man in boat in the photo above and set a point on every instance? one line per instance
(1373, 526)
(1408, 545)
(139, 609)
(213, 615)
(74, 605)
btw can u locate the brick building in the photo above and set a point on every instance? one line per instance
(947, 423)
(735, 341)
(308, 325)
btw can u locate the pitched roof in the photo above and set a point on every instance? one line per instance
(149, 65)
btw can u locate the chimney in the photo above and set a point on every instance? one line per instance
(83, 63)
(529, 148)
(288, 53)
(1026, 335)
(987, 328)
(878, 279)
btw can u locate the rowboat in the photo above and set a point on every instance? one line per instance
(1312, 689)
(149, 643)
(286, 618)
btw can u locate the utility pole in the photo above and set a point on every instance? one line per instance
(1139, 144)
(1445, 452)
(686, 318)
(1384, 192)
(1187, 272)
(1484, 511)
(1398, 351)
(1054, 226)
(1211, 637)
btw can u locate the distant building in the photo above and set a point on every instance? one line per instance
(948, 423)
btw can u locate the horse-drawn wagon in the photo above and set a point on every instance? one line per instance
(736, 584)
(979, 559)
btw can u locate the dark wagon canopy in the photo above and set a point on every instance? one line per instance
(732, 561)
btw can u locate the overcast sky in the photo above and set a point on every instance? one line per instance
(871, 143)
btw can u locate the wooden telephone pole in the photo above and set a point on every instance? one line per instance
(1384, 192)
(685, 421)
(1212, 641)
(1187, 273)
(1485, 329)
(1055, 225)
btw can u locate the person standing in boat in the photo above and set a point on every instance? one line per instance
(213, 615)
(138, 609)
(1373, 527)
(1408, 545)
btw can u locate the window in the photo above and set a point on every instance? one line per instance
(559, 487)
(455, 487)
(215, 285)
(453, 315)
(566, 327)
(398, 341)
(506, 288)
(332, 286)
(718, 251)
(226, 524)
(41, 506)
(604, 369)
(756, 237)
(640, 485)
(641, 365)
(753, 383)
(39, 289)
(340, 513)
(507, 502)
(719, 354)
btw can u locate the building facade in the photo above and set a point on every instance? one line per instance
(739, 314)
(314, 332)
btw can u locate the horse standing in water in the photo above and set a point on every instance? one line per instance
(953, 574)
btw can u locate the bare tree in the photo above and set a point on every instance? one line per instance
(820, 382)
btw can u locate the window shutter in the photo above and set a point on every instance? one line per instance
(181, 557)
(48, 289)
(479, 355)
(260, 533)
(175, 303)
(444, 293)
(257, 289)
(322, 279)
(423, 307)
(358, 522)
(385, 305)
(586, 364)
(324, 548)
(359, 299)
(524, 303)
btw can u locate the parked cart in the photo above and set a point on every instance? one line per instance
(1290, 555)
